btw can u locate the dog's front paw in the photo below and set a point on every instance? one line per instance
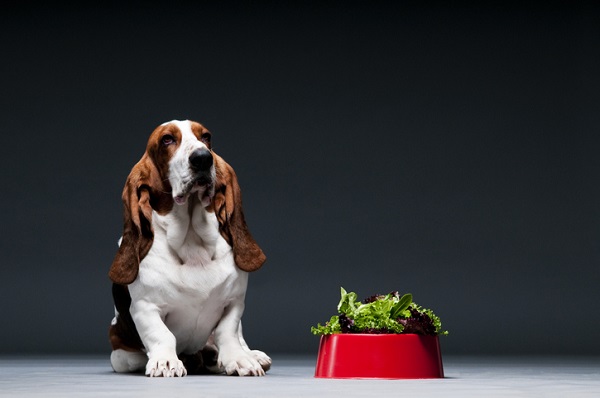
(263, 359)
(165, 367)
(240, 363)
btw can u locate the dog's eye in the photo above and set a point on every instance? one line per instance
(168, 139)
(205, 138)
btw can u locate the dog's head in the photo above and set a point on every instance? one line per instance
(179, 162)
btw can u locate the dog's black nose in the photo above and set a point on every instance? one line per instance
(201, 159)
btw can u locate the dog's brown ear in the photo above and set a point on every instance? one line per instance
(227, 204)
(139, 196)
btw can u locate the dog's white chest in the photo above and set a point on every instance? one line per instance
(189, 274)
(191, 233)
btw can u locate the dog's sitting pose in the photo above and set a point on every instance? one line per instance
(181, 271)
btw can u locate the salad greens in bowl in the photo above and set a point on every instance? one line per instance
(381, 314)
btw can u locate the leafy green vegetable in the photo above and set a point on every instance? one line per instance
(389, 313)
(399, 309)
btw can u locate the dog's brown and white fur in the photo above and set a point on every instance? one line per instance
(181, 271)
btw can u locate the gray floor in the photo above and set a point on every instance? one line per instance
(293, 377)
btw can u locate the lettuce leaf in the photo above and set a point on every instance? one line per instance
(389, 313)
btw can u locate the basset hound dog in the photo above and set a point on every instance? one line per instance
(181, 271)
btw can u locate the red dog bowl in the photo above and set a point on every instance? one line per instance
(379, 356)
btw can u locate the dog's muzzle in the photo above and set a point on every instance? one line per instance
(201, 166)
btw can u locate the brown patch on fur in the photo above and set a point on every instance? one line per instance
(147, 188)
(202, 134)
(124, 335)
(227, 205)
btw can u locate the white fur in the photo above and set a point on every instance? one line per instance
(189, 291)
(180, 174)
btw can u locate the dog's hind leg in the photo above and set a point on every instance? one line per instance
(128, 361)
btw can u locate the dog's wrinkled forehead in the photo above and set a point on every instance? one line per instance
(174, 141)
(187, 133)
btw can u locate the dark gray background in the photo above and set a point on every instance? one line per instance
(447, 151)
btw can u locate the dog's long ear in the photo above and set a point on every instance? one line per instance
(143, 191)
(227, 204)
